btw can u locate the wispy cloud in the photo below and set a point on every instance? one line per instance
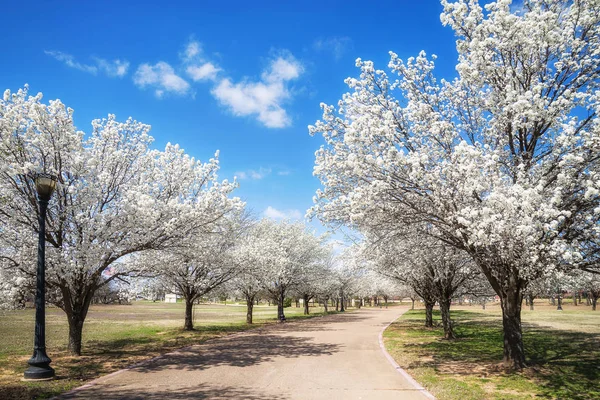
(115, 68)
(264, 98)
(198, 68)
(335, 45)
(273, 213)
(162, 77)
(206, 71)
(253, 174)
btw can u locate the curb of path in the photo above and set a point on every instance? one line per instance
(399, 369)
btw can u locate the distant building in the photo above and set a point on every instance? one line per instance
(170, 298)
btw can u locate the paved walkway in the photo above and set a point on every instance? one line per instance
(333, 357)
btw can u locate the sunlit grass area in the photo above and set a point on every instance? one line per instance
(114, 336)
(562, 347)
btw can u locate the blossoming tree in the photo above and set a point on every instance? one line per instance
(116, 197)
(288, 253)
(500, 162)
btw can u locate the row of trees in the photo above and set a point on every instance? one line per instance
(495, 171)
(125, 213)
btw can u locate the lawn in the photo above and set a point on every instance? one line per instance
(562, 349)
(114, 337)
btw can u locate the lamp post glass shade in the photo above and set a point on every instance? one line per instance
(45, 185)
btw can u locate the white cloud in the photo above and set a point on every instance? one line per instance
(162, 78)
(116, 68)
(265, 97)
(336, 45)
(273, 213)
(206, 71)
(253, 174)
(284, 172)
(197, 67)
(192, 50)
(69, 60)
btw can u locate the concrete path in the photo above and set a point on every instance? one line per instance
(332, 357)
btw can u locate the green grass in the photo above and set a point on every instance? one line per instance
(562, 350)
(114, 337)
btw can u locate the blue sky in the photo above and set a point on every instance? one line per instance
(246, 78)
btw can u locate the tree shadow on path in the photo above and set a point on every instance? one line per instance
(239, 351)
(200, 391)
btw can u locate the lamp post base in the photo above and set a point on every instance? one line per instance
(39, 372)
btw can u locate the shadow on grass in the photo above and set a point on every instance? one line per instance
(564, 364)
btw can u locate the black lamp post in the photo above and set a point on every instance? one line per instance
(39, 363)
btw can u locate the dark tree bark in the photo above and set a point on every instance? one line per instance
(188, 325)
(306, 299)
(337, 304)
(297, 302)
(594, 294)
(429, 314)
(559, 302)
(280, 300)
(514, 352)
(75, 334)
(249, 308)
(574, 298)
(413, 304)
(342, 309)
(446, 321)
(531, 298)
(76, 307)
(508, 285)
(385, 299)
(325, 304)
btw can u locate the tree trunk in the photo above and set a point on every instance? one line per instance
(531, 298)
(280, 300)
(446, 321)
(552, 301)
(413, 304)
(514, 352)
(76, 310)
(325, 304)
(75, 333)
(574, 298)
(305, 299)
(342, 309)
(249, 308)
(189, 307)
(297, 303)
(594, 294)
(385, 299)
(559, 301)
(429, 314)
(483, 305)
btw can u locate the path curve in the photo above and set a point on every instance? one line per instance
(332, 357)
